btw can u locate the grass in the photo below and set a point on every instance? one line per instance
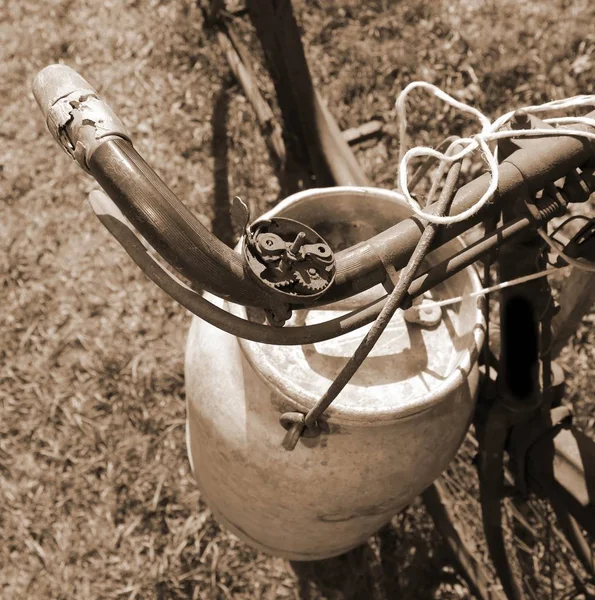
(97, 500)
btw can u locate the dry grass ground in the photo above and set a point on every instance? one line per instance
(96, 497)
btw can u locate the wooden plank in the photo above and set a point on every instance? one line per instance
(355, 135)
(340, 160)
(266, 120)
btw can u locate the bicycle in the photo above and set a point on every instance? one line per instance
(105, 158)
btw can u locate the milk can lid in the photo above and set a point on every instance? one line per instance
(411, 368)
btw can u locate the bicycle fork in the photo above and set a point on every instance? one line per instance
(523, 386)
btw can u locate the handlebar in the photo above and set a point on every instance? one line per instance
(92, 134)
(88, 130)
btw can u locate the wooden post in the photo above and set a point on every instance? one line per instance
(312, 137)
(264, 115)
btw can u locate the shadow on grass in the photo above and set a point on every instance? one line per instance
(407, 561)
(221, 225)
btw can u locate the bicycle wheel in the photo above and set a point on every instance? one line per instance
(548, 555)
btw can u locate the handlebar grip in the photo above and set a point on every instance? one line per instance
(75, 114)
(90, 132)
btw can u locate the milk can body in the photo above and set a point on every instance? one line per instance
(387, 436)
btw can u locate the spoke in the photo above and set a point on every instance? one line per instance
(541, 556)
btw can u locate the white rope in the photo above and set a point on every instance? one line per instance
(490, 132)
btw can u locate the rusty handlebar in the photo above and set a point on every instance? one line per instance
(89, 131)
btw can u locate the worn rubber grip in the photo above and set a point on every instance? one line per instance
(76, 116)
(55, 82)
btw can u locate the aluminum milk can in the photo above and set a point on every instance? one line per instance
(388, 435)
